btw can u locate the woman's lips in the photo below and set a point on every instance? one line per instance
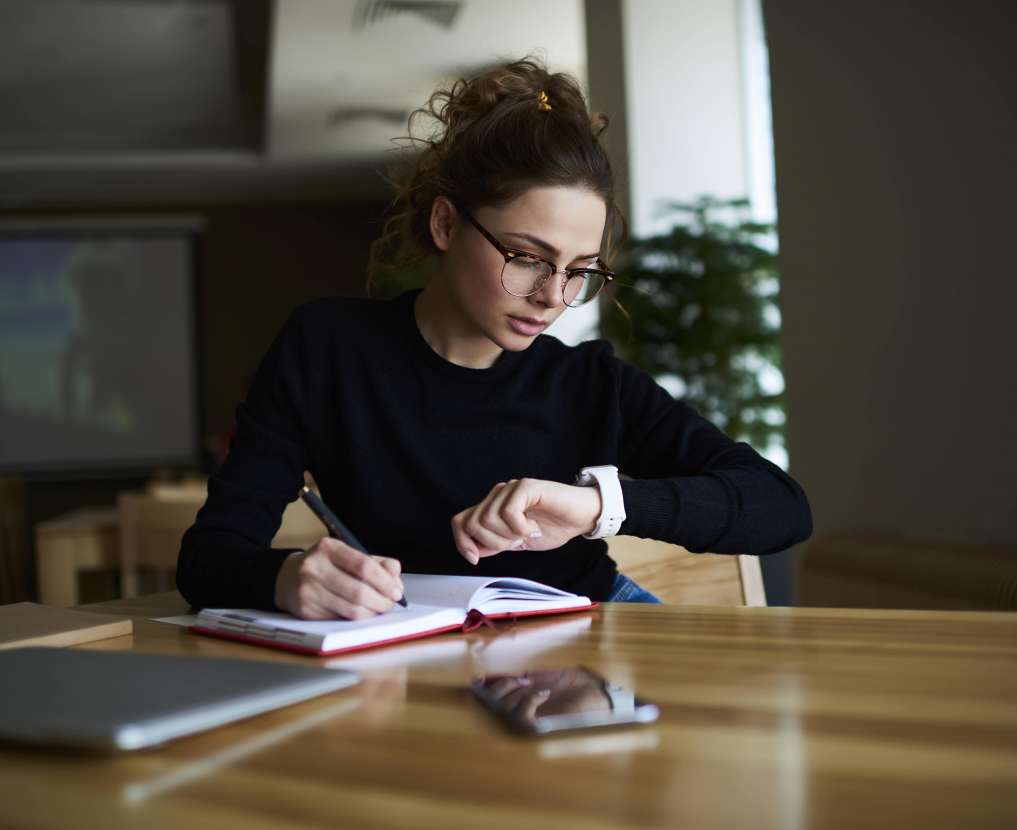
(525, 327)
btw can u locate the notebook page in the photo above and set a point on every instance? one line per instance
(467, 592)
(515, 594)
(438, 589)
(511, 605)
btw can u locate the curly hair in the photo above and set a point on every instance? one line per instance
(491, 141)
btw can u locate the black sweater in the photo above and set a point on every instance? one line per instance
(400, 440)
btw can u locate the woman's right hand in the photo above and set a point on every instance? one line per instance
(333, 580)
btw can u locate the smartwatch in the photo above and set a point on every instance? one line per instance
(612, 505)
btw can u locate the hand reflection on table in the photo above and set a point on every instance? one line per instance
(543, 692)
(383, 692)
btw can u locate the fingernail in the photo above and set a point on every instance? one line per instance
(543, 692)
(518, 543)
(397, 594)
(472, 557)
(536, 534)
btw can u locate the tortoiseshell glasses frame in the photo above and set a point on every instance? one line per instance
(525, 268)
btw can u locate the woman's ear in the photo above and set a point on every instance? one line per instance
(443, 222)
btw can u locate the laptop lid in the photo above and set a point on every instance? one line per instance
(121, 700)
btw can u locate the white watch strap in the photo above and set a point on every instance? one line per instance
(612, 504)
(623, 701)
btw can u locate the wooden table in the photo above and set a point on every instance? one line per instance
(770, 717)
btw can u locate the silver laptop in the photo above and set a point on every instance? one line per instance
(120, 700)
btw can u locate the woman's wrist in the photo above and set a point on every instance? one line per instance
(592, 507)
(282, 580)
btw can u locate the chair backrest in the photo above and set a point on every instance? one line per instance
(682, 578)
(151, 528)
(300, 528)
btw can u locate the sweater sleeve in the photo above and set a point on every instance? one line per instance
(694, 486)
(226, 558)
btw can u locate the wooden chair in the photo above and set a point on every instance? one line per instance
(77, 557)
(682, 578)
(153, 522)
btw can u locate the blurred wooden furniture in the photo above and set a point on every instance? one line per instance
(151, 527)
(770, 718)
(69, 546)
(14, 548)
(677, 576)
(152, 523)
(887, 572)
(136, 542)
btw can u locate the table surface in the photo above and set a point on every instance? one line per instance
(770, 717)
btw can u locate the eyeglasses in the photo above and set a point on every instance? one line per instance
(524, 274)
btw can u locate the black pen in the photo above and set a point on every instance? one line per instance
(336, 529)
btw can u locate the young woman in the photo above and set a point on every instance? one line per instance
(444, 428)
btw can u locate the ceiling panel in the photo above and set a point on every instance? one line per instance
(168, 101)
(109, 75)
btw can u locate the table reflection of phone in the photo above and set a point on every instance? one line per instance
(556, 700)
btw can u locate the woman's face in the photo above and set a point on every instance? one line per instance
(560, 224)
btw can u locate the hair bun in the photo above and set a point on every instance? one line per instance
(492, 135)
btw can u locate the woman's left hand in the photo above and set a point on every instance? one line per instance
(525, 514)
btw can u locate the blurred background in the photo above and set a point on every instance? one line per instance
(820, 197)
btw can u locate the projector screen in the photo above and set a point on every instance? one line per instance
(97, 364)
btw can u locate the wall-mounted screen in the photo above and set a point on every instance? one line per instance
(97, 363)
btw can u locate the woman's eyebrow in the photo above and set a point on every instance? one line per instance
(546, 246)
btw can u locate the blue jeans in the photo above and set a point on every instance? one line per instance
(625, 590)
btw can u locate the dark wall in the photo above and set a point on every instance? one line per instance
(895, 133)
(254, 265)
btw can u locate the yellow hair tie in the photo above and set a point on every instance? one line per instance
(542, 102)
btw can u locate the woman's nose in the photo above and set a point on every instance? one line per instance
(551, 292)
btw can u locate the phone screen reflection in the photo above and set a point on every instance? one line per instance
(552, 700)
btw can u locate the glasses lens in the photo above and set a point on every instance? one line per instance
(582, 287)
(524, 275)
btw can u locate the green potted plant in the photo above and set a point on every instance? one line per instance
(696, 308)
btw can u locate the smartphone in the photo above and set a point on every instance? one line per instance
(545, 701)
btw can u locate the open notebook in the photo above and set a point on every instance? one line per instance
(435, 604)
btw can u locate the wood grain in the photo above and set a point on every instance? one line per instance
(770, 717)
